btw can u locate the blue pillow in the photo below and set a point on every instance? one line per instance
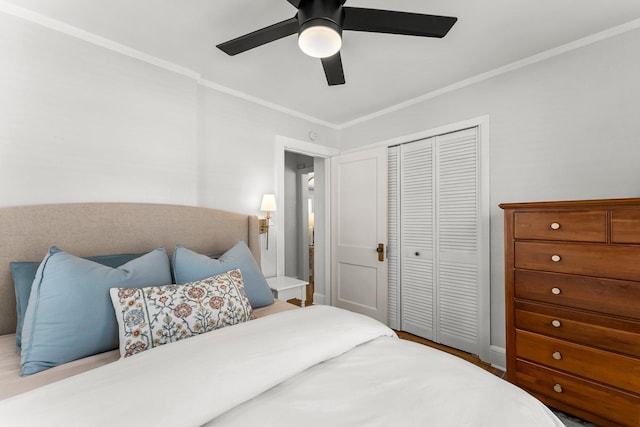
(23, 274)
(70, 315)
(189, 266)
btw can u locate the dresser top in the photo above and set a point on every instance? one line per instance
(573, 203)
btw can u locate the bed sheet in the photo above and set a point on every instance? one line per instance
(317, 366)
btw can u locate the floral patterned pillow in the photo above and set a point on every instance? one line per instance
(153, 316)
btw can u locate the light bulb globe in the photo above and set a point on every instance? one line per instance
(320, 41)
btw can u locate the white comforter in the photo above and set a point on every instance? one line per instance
(317, 366)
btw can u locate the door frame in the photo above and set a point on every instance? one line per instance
(283, 144)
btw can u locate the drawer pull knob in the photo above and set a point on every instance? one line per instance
(555, 258)
(417, 253)
(555, 225)
(557, 388)
(557, 355)
(556, 323)
(555, 291)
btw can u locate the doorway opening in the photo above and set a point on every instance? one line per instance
(299, 219)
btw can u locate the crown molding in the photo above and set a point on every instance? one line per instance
(94, 39)
(89, 37)
(543, 56)
(70, 30)
(242, 95)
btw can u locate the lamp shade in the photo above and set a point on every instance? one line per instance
(268, 203)
(320, 41)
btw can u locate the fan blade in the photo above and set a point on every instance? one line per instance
(333, 69)
(392, 22)
(258, 38)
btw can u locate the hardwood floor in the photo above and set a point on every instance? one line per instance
(296, 301)
(463, 355)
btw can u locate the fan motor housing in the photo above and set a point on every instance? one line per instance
(318, 12)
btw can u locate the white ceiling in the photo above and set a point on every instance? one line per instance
(380, 70)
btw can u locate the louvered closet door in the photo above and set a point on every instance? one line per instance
(457, 237)
(438, 276)
(417, 238)
(393, 239)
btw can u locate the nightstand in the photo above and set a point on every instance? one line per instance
(286, 288)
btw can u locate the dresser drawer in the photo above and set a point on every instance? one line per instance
(579, 226)
(617, 297)
(605, 333)
(619, 407)
(598, 365)
(625, 226)
(615, 262)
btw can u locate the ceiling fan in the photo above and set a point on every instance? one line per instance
(319, 24)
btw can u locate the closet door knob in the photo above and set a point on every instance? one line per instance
(555, 258)
(555, 291)
(556, 323)
(556, 355)
(557, 388)
(555, 226)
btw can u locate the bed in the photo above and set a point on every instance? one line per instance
(283, 366)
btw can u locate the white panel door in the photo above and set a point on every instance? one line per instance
(416, 237)
(359, 218)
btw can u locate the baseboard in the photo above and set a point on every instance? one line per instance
(319, 299)
(498, 356)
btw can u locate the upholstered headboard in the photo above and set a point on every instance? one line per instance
(87, 229)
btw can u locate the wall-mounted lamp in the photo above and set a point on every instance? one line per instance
(268, 205)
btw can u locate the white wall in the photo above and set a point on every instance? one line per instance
(236, 156)
(82, 123)
(565, 128)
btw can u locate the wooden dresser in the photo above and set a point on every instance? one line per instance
(572, 285)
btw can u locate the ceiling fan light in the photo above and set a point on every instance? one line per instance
(320, 41)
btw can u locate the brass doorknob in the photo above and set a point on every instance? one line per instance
(380, 251)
